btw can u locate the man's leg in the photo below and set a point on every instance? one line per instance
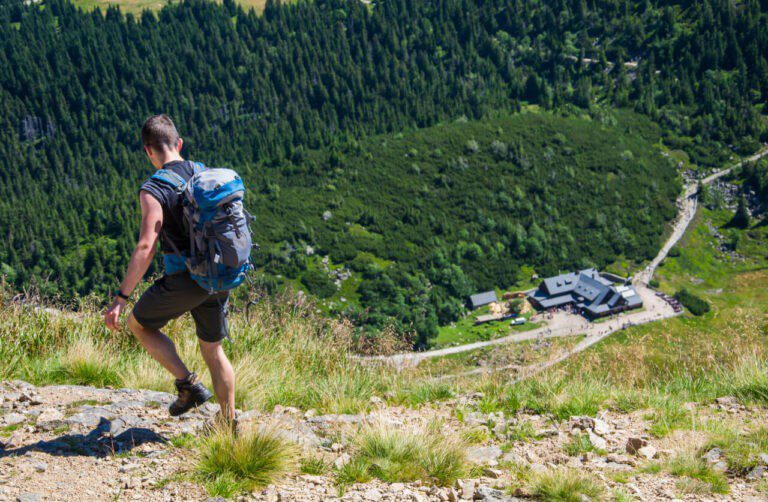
(222, 375)
(160, 347)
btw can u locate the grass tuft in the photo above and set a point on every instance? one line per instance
(228, 464)
(394, 455)
(315, 466)
(565, 485)
(699, 477)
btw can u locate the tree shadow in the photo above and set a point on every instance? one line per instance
(97, 443)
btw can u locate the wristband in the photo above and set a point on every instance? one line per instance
(120, 294)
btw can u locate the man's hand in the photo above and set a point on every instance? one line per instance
(112, 315)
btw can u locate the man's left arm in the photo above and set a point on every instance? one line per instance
(151, 223)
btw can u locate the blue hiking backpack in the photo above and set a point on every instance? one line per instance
(218, 226)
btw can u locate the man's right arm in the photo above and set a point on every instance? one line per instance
(151, 224)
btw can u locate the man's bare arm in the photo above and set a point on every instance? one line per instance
(151, 223)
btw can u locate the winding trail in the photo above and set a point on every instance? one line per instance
(563, 325)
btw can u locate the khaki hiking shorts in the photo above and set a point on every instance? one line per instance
(174, 295)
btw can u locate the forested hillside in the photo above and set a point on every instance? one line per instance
(286, 98)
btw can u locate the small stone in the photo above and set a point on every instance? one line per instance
(310, 413)
(648, 452)
(713, 456)
(492, 473)
(372, 494)
(727, 401)
(582, 423)
(598, 442)
(453, 495)
(41, 467)
(337, 447)
(538, 467)
(468, 490)
(376, 400)
(489, 494)
(756, 473)
(763, 458)
(342, 460)
(720, 466)
(128, 468)
(634, 444)
(600, 427)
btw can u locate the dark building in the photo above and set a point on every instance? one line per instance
(480, 299)
(589, 292)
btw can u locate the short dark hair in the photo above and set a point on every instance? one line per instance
(159, 131)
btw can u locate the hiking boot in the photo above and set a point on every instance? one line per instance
(192, 393)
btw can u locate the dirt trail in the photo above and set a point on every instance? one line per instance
(562, 325)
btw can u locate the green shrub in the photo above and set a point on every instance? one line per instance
(318, 283)
(696, 305)
(654, 283)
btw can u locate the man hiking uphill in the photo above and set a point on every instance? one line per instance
(165, 215)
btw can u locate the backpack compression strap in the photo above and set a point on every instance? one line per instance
(171, 178)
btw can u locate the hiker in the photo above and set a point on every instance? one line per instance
(176, 292)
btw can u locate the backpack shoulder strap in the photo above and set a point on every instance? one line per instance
(170, 178)
(198, 167)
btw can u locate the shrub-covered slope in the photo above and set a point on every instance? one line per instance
(426, 218)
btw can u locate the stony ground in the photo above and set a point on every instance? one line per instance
(82, 443)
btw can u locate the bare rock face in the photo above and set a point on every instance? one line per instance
(50, 419)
